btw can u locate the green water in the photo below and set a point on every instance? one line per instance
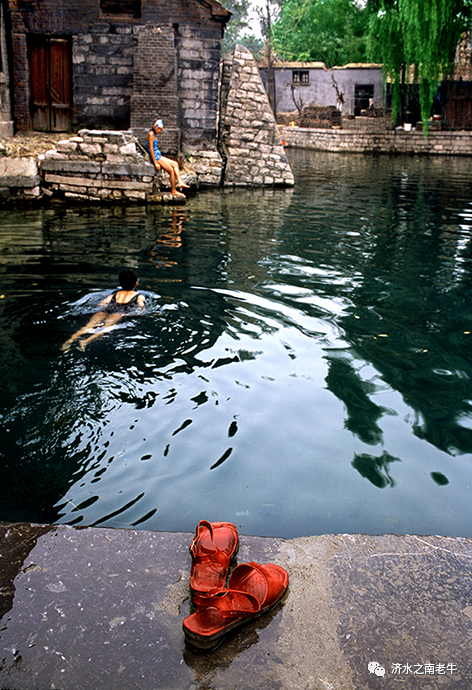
(303, 364)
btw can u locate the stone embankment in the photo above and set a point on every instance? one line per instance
(19, 178)
(100, 166)
(379, 140)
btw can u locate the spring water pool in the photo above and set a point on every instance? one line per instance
(303, 364)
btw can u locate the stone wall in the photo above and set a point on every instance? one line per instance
(102, 63)
(199, 66)
(97, 165)
(155, 89)
(249, 140)
(19, 180)
(101, 166)
(128, 69)
(394, 141)
(6, 123)
(368, 124)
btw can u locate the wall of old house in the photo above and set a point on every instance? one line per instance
(126, 71)
(320, 87)
(6, 122)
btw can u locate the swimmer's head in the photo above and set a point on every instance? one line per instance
(128, 279)
(159, 124)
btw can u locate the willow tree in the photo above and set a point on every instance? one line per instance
(418, 34)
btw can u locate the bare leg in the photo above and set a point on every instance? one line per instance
(172, 167)
(94, 322)
(110, 322)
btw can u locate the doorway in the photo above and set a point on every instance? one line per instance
(50, 83)
(363, 97)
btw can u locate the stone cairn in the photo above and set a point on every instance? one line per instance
(250, 142)
(104, 166)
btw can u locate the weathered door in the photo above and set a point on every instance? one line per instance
(50, 83)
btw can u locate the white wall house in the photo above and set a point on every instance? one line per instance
(351, 88)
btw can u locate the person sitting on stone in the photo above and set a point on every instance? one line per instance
(115, 306)
(159, 161)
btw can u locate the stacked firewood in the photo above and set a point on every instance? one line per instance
(319, 117)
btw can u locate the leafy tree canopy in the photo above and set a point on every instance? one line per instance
(329, 31)
(237, 29)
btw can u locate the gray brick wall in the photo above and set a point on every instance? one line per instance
(120, 65)
(155, 89)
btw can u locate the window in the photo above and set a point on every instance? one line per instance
(300, 77)
(128, 8)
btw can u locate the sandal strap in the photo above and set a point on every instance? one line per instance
(230, 603)
(272, 582)
(202, 555)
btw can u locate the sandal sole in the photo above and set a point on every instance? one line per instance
(208, 643)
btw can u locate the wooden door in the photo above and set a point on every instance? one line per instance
(50, 83)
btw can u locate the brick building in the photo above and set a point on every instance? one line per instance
(118, 64)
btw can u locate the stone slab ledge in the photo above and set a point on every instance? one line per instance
(88, 608)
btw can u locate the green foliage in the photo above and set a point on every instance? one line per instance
(236, 30)
(420, 33)
(329, 31)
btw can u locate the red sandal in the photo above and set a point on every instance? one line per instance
(212, 549)
(252, 590)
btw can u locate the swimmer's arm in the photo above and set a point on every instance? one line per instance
(105, 301)
(141, 301)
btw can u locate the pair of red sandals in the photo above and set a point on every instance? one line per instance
(252, 589)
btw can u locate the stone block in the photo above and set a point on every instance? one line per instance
(128, 169)
(114, 158)
(171, 199)
(154, 198)
(68, 166)
(19, 172)
(135, 194)
(127, 184)
(212, 155)
(64, 187)
(90, 150)
(33, 192)
(128, 149)
(74, 181)
(73, 196)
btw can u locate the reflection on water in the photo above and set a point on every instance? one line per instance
(302, 366)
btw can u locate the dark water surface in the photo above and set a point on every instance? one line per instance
(303, 364)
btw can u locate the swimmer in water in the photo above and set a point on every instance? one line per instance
(114, 307)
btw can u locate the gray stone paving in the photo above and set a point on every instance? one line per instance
(100, 608)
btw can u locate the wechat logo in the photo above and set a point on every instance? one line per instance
(376, 668)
